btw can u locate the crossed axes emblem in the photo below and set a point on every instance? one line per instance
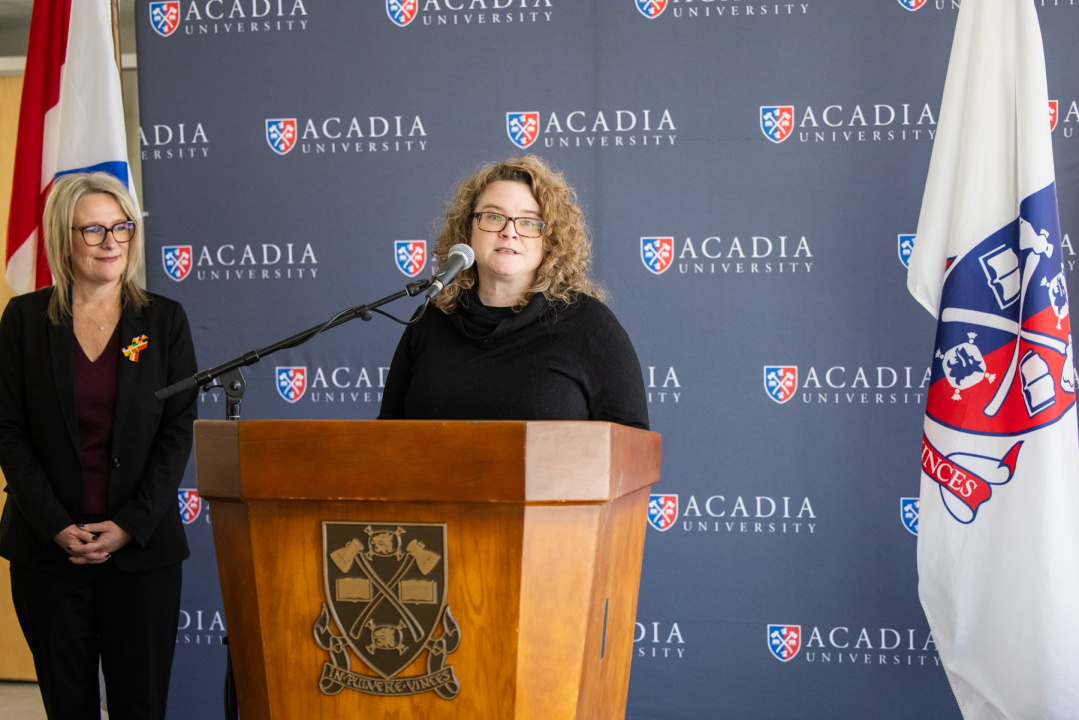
(386, 590)
(354, 553)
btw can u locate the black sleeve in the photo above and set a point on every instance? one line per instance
(398, 380)
(27, 484)
(615, 384)
(164, 469)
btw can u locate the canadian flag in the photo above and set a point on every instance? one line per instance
(71, 119)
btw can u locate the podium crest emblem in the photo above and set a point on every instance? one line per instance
(386, 589)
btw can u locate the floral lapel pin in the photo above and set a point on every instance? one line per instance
(131, 352)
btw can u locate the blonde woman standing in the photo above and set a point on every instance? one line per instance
(93, 461)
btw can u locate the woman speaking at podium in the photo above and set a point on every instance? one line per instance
(523, 334)
(93, 461)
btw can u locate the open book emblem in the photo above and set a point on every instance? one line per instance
(386, 598)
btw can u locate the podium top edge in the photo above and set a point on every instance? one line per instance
(414, 423)
(515, 461)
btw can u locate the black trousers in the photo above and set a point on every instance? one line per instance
(127, 620)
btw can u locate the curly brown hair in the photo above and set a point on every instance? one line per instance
(567, 247)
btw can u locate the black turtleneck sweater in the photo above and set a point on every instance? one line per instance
(547, 362)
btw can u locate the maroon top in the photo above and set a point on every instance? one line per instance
(95, 404)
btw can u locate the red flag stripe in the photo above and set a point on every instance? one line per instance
(40, 93)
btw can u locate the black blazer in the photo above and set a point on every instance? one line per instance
(39, 444)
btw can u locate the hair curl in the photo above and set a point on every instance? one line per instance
(59, 215)
(567, 247)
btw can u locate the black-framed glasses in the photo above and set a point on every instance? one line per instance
(495, 222)
(94, 235)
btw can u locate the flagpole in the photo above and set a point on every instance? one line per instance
(117, 59)
(115, 6)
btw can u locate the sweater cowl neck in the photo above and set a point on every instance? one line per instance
(477, 321)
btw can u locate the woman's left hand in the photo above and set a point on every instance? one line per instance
(110, 537)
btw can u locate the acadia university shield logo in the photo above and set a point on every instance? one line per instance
(386, 590)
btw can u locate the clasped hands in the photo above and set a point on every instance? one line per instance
(93, 543)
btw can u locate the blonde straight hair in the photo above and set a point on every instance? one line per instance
(66, 192)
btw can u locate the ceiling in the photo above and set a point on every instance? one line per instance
(15, 26)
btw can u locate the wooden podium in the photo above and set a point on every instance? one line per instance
(421, 569)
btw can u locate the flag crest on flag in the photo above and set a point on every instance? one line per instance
(71, 119)
(1003, 361)
(1000, 451)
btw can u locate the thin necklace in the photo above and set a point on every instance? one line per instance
(100, 327)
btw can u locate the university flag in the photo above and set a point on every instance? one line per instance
(71, 119)
(998, 533)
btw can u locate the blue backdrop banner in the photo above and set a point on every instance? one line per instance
(752, 172)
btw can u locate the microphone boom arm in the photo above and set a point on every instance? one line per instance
(230, 370)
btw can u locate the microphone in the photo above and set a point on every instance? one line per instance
(460, 258)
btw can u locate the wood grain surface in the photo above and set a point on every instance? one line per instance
(545, 529)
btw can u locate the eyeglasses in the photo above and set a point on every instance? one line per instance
(496, 222)
(94, 235)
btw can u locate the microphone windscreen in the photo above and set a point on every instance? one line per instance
(466, 251)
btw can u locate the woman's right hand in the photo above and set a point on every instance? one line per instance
(73, 539)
